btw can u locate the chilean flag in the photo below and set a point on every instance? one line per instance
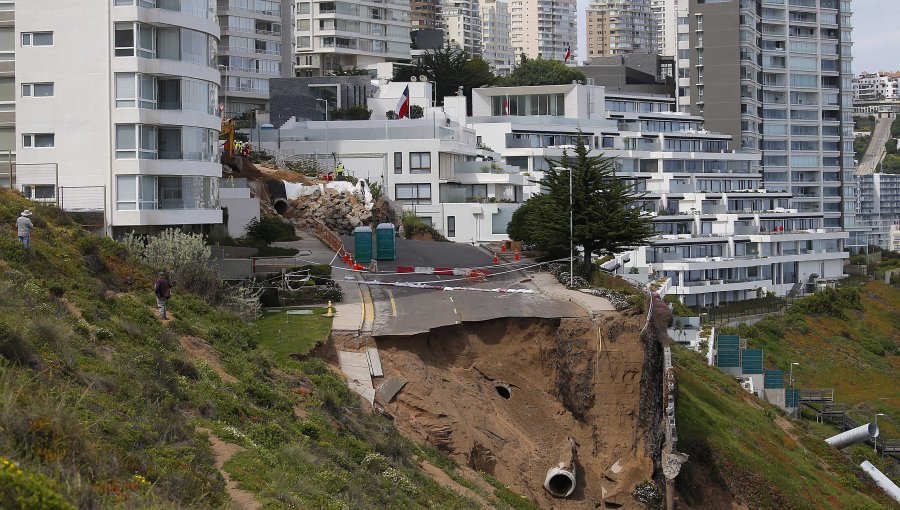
(403, 104)
(568, 53)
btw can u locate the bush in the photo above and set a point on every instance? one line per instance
(27, 491)
(269, 230)
(679, 308)
(358, 112)
(416, 112)
(414, 227)
(171, 249)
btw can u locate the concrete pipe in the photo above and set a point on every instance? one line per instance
(881, 480)
(560, 479)
(280, 205)
(858, 435)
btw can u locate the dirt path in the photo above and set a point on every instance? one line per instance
(200, 349)
(440, 476)
(223, 451)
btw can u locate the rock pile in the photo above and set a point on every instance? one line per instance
(341, 212)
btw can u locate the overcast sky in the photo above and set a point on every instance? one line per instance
(876, 40)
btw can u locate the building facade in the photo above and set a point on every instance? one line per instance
(620, 27)
(544, 29)
(426, 14)
(351, 34)
(722, 235)
(496, 46)
(665, 21)
(7, 90)
(876, 86)
(132, 133)
(879, 207)
(462, 25)
(257, 44)
(777, 77)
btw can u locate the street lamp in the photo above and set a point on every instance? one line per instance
(325, 102)
(224, 69)
(793, 395)
(571, 236)
(875, 439)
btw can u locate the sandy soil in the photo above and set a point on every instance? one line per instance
(223, 451)
(560, 386)
(200, 349)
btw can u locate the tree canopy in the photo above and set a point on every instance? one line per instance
(604, 219)
(448, 69)
(542, 71)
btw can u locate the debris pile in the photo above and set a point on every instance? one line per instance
(341, 212)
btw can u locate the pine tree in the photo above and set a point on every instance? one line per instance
(605, 219)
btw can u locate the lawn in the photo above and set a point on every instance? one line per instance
(285, 333)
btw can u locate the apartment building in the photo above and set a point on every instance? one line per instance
(722, 235)
(257, 43)
(878, 86)
(544, 28)
(131, 132)
(879, 207)
(665, 21)
(776, 76)
(426, 14)
(350, 34)
(496, 46)
(620, 27)
(7, 89)
(462, 25)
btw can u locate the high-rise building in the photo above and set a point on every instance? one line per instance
(462, 25)
(257, 44)
(426, 14)
(620, 27)
(776, 76)
(879, 207)
(351, 34)
(665, 20)
(131, 131)
(544, 29)
(7, 89)
(876, 86)
(496, 47)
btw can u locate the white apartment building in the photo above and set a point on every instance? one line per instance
(876, 86)
(776, 76)
(544, 28)
(351, 34)
(462, 25)
(7, 89)
(496, 46)
(133, 129)
(879, 207)
(665, 20)
(620, 27)
(731, 237)
(430, 166)
(257, 44)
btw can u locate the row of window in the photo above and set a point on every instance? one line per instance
(151, 192)
(141, 141)
(419, 162)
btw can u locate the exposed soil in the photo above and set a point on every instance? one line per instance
(558, 384)
(223, 451)
(200, 349)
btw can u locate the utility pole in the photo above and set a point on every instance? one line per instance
(571, 235)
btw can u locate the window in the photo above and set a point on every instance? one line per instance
(136, 90)
(136, 141)
(410, 194)
(398, 162)
(451, 226)
(40, 192)
(37, 89)
(420, 163)
(135, 39)
(37, 38)
(38, 140)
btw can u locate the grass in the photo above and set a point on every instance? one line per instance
(735, 439)
(284, 334)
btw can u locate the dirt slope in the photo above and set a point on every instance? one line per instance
(560, 385)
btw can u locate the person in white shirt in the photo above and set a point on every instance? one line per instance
(25, 226)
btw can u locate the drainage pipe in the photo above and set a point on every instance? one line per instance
(859, 434)
(882, 481)
(560, 479)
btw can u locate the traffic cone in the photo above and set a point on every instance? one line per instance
(503, 247)
(346, 258)
(517, 254)
(496, 260)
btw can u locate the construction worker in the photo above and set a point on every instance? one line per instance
(340, 171)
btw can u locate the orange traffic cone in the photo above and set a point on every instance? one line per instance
(496, 260)
(517, 254)
(346, 258)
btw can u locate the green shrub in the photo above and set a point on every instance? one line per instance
(27, 491)
(679, 308)
(415, 227)
(269, 230)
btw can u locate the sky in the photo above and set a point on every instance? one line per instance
(876, 41)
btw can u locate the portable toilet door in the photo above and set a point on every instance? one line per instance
(362, 244)
(385, 242)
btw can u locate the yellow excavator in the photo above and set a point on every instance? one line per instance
(228, 131)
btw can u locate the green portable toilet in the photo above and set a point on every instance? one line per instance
(362, 244)
(385, 243)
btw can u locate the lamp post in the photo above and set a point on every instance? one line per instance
(571, 235)
(224, 69)
(325, 102)
(875, 439)
(792, 382)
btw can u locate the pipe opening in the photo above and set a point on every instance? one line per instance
(503, 391)
(281, 205)
(561, 484)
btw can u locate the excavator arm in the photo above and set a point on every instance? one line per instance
(228, 131)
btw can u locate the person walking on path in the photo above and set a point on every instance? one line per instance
(340, 171)
(24, 226)
(163, 290)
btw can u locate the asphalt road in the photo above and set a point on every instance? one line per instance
(875, 152)
(407, 311)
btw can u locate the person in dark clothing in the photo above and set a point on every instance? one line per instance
(163, 290)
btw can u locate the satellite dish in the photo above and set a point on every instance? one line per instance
(413, 78)
(423, 78)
